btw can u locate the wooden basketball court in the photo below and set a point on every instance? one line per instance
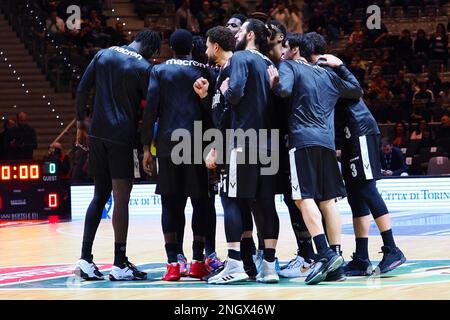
(37, 262)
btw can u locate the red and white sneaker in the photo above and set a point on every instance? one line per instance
(197, 269)
(172, 272)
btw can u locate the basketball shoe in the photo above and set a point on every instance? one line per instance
(393, 257)
(324, 264)
(296, 268)
(172, 272)
(358, 267)
(232, 272)
(126, 272)
(88, 271)
(268, 273)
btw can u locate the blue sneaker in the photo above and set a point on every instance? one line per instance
(258, 259)
(277, 265)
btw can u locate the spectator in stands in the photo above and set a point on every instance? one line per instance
(392, 160)
(356, 69)
(421, 51)
(400, 85)
(118, 35)
(439, 44)
(235, 22)
(444, 95)
(357, 35)
(377, 85)
(206, 17)
(400, 139)
(280, 13)
(237, 6)
(404, 48)
(56, 155)
(443, 134)
(424, 94)
(94, 20)
(295, 22)
(54, 23)
(434, 82)
(418, 131)
(375, 38)
(318, 23)
(21, 140)
(7, 125)
(184, 19)
(220, 12)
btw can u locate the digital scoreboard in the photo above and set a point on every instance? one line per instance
(31, 190)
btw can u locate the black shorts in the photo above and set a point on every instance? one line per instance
(245, 180)
(315, 174)
(361, 158)
(110, 159)
(189, 180)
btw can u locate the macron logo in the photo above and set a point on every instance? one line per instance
(186, 63)
(127, 52)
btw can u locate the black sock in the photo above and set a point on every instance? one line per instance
(171, 251)
(247, 250)
(234, 254)
(362, 250)
(210, 247)
(261, 245)
(86, 251)
(305, 248)
(180, 248)
(336, 248)
(197, 250)
(120, 254)
(321, 243)
(388, 238)
(269, 255)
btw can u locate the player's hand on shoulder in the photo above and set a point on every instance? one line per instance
(274, 77)
(330, 61)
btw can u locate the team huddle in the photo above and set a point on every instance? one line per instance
(257, 79)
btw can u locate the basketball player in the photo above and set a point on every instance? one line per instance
(315, 173)
(172, 101)
(244, 182)
(235, 23)
(220, 46)
(300, 265)
(120, 77)
(361, 168)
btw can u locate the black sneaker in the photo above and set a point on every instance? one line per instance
(358, 267)
(126, 272)
(336, 275)
(393, 257)
(325, 263)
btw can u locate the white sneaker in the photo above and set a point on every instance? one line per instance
(128, 272)
(233, 272)
(88, 271)
(258, 259)
(268, 274)
(296, 268)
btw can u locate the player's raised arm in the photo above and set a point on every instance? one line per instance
(345, 82)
